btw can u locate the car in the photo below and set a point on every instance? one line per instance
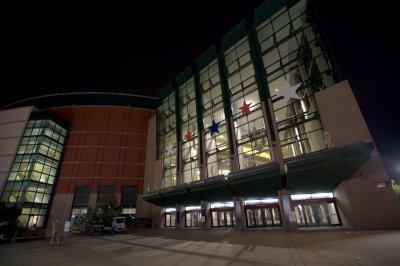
(120, 226)
(97, 230)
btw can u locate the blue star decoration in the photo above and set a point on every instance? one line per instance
(214, 127)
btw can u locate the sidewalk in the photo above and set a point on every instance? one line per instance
(215, 247)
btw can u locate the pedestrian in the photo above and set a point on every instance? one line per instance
(55, 234)
(113, 225)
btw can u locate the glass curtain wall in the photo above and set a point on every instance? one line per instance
(250, 130)
(216, 137)
(105, 196)
(34, 171)
(167, 141)
(189, 133)
(128, 199)
(296, 66)
(80, 204)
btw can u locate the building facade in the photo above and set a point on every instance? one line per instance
(260, 131)
(58, 161)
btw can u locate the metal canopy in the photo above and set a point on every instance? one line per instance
(180, 195)
(155, 198)
(323, 171)
(212, 190)
(262, 181)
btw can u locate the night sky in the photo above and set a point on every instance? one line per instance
(133, 47)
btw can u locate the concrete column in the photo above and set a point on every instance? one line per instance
(287, 210)
(206, 218)
(180, 216)
(239, 212)
(92, 200)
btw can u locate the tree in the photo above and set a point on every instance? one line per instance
(109, 211)
(396, 188)
(8, 219)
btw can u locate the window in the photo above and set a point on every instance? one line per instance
(250, 129)
(34, 171)
(82, 196)
(296, 68)
(216, 137)
(167, 145)
(105, 196)
(189, 132)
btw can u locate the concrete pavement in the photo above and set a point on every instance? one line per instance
(215, 247)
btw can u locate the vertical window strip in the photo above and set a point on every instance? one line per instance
(167, 139)
(189, 133)
(250, 130)
(216, 137)
(296, 68)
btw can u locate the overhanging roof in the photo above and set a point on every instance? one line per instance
(323, 171)
(156, 198)
(212, 190)
(262, 181)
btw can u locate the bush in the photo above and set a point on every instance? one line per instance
(8, 219)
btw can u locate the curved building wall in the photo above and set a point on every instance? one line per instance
(105, 153)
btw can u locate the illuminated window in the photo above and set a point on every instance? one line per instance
(189, 132)
(34, 170)
(250, 130)
(167, 145)
(296, 68)
(216, 137)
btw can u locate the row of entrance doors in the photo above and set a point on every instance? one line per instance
(314, 214)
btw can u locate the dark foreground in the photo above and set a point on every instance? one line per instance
(216, 247)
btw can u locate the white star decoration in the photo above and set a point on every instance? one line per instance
(193, 152)
(290, 92)
(169, 149)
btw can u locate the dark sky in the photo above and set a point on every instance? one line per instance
(134, 47)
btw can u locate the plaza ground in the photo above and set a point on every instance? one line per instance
(213, 247)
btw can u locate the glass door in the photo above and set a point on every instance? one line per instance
(223, 218)
(263, 217)
(316, 214)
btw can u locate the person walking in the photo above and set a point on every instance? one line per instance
(55, 234)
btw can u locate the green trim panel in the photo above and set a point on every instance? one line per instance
(233, 36)
(206, 58)
(184, 76)
(268, 8)
(323, 171)
(49, 115)
(166, 91)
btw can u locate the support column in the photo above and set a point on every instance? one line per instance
(240, 215)
(180, 216)
(287, 211)
(206, 218)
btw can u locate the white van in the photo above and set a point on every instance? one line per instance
(120, 225)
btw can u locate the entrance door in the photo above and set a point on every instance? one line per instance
(316, 214)
(263, 217)
(223, 218)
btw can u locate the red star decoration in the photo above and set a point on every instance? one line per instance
(245, 108)
(189, 135)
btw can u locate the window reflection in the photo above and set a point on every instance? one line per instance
(31, 179)
(250, 130)
(292, 56)
(216, 137)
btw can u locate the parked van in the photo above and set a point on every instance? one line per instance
(120, 224)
